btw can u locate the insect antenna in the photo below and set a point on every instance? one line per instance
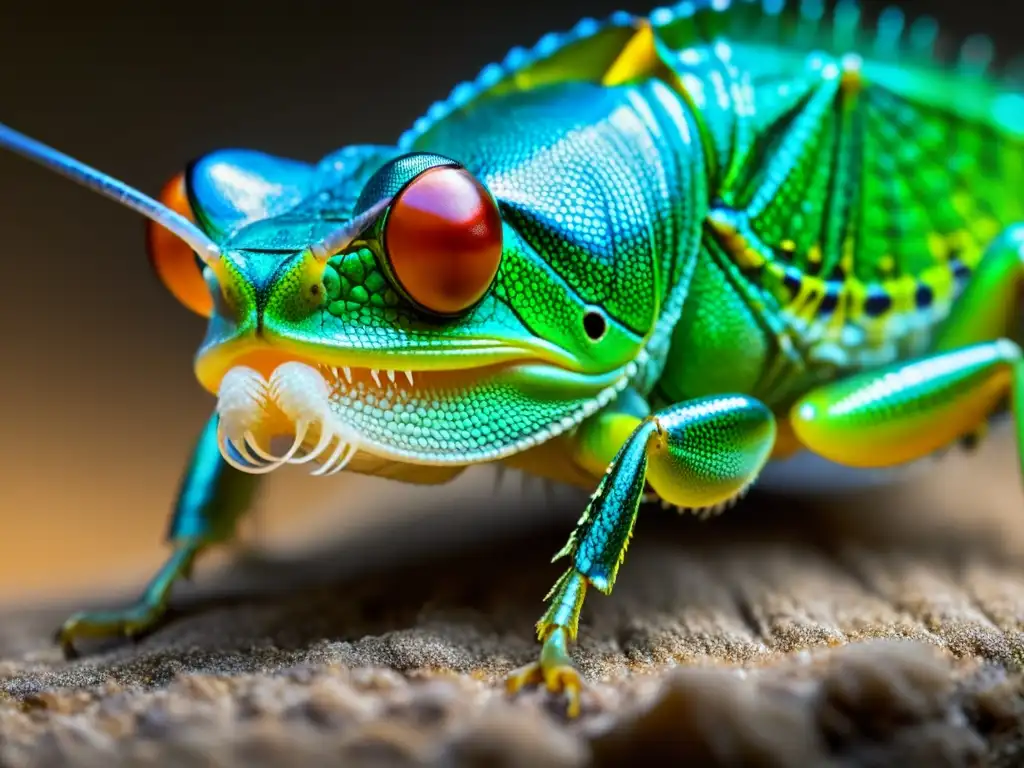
(340, 238)
(178, 225)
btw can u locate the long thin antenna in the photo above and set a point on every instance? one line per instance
(110, 187)
(337, 240)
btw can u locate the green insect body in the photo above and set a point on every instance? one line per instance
(657, 257)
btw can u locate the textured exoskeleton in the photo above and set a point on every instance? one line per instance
(656, 257)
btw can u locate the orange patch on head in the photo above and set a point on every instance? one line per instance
(172, 259)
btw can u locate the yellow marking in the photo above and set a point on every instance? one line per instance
(734, 244)
(838, 318)
(902, 291)
(749, 258)
(798, 304)
(852, 292)
(851, 81)
(958, 240)
(846, 262)
(940, 280)
(586, 58)
(639, 58)
(986, 229)
(857, 293)
(804, 305)
(962, 243)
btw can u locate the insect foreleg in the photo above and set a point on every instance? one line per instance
(212, 497)
(695, 454)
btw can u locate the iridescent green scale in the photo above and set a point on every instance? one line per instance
(854, 175)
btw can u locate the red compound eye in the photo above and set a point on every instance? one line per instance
(443, 240)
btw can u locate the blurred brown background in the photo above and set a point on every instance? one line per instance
(99, 405)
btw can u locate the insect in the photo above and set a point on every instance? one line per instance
(658, 257)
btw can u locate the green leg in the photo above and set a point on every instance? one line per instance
(695, 454)
(909, 410)
(211, 498)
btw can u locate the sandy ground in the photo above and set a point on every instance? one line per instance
(872, 630)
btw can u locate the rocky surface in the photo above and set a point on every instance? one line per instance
(872, 630)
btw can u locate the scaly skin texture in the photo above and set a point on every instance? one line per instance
(729, 239)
